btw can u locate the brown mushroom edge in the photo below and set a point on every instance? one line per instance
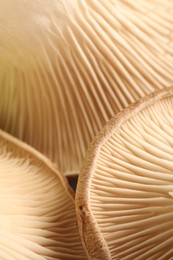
(92, 239)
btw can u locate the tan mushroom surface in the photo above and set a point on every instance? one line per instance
(37, 213)
(124, 199)
(67, 66)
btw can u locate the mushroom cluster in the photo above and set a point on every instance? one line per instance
(66, 68)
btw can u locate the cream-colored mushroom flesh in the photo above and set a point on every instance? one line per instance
(37, 213)
(67, 66)
(124, 195)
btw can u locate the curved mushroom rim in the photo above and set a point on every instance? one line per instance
(85, 218)
(33, 153)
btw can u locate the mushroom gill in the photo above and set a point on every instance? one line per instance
(124, 199)
(37, 214)
(67, 66)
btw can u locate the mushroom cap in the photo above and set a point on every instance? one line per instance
(124, 197)
(67, 66)
(37, 211)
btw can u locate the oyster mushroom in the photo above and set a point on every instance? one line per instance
(124, 198)
(66, 67)
(37, 213)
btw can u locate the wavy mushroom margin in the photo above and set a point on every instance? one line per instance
(92, 239)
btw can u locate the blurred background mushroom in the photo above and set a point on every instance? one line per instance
(124, 194)
(37, 213)
(66, 67)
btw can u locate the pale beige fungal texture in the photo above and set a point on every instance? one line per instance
(126, 186)
(67, 66)
(37, 214)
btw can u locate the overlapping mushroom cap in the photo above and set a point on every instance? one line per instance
(66, 67)
(37, 214)
(124, 195)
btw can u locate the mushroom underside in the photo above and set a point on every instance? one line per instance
(125, 189)
(37, 212)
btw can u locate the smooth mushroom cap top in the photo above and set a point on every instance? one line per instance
(124, 197)
(37, 213)
(66, 67)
